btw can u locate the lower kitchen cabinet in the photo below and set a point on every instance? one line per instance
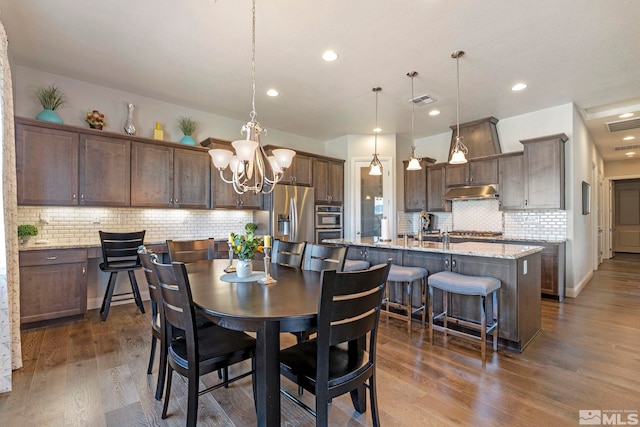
(53, 284)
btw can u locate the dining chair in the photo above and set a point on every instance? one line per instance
(324, 257)
(120, 253)
(336, 361)
(191, 250)
(196, 351)
(287, 253)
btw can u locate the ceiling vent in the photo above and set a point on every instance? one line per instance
(423, 99)
(627, 147)
(624, 125)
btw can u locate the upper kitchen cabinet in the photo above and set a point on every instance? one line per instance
(475, 172)
(105, 172)
(46, 164)
(511, 181)
(415, 188)
(480, 137)
(544, 172)
(328, 181)
(166, 177)
(436, 187)
(301, 170)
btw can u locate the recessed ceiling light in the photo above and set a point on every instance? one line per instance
(273, 92)
(630, 154)
(628, 138)
(518, 87)
(625, 115)
(434, 112)
(329, 56)
(377, 130)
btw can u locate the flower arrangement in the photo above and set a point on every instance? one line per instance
(187, 125)
(51, 97)
(246, 245)
(95, 119)
(27, 230)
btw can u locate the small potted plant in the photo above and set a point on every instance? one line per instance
(188, 126)
(246, 246)
(95, 120)
(25, 231)
(51, 99)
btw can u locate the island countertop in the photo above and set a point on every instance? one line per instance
(481, 249)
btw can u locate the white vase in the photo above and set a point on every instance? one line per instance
(244, 268)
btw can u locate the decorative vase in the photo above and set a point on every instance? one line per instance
(187, 140)
(47, 115)
(23, 240)
(244, 268)
(129, 128)
(99, 127)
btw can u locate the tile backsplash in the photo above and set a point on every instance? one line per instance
(80, 225)
(477, 215)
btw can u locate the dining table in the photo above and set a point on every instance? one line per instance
(288, 305)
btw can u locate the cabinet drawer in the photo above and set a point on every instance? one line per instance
(53, 256)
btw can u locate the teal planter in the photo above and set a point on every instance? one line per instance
(49, 116)
(187, 140)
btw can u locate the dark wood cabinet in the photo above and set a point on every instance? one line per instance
(544, 172)
(415, 188)
(479, 136)
(191, 179)
(104, 171)
(300, 172)
(457, 175)
(511, 182)
(436, 187)
(328, 181)
(475, 172)
(53, 284)
(46, 165)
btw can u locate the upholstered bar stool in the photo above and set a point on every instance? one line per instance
(355, 265)
(408, 275)
(482, 287)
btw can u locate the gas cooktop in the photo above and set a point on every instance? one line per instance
(471, 233)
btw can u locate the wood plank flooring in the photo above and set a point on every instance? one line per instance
(586, 357)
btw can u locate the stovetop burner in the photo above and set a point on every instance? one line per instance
(471, 233)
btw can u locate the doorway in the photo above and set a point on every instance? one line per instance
(373, 199)
(626, 216)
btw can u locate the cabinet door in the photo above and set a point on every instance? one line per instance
(251, 201)
(510, 183)
(457, 175)
(544, 172)
(300, 172)
(191, 179)
(151, 175)
(105, 171)
(46, 166)
(321, 181)
(415, 188)
(436, 189)
(483, 172)
(336, 182)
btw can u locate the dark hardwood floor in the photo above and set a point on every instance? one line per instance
(586, 357)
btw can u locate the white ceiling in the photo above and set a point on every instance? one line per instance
(197, 53)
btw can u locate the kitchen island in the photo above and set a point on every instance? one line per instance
(516, 266)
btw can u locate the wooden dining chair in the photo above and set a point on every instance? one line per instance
(120, 253)
(194, 351)
(191, 250)
(324, 257)
(287, 253)
(337, 361)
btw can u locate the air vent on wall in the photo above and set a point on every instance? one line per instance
(624, 125)
(423, 99)
(627, 147)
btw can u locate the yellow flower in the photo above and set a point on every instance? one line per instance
(239, 248)
(260, 248)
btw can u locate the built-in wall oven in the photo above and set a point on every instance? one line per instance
(328, 222)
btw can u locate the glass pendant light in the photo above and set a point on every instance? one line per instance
(414, 162)
(459, 149)
(375, 168)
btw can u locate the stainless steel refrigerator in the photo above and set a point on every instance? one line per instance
(290, 214)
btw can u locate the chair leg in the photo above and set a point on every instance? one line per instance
(423, 296)
(496, 312)
(162, 369)
(445, 304)
(192, 397)
(168, 392)
(152, 353)
(253, 384)
(108, 294)
(409, 306)
(483, 329)
(373, 398)
(430, 314)
(136, 291)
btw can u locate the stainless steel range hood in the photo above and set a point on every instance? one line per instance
(471, 193)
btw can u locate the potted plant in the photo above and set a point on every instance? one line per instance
(188, 126)
(95, 120)
(246, 246)
(25, 231)
(51, 99)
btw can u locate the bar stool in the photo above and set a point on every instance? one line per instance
(480, 286)
(408, 275)
(355, 265)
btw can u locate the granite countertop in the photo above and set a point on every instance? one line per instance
(494, 238)
(489, 250)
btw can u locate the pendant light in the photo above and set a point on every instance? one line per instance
(459, 149)
(414, 162)
(375, 168)
(252, 170)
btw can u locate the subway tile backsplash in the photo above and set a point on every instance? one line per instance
(539, 225)
(80, 225)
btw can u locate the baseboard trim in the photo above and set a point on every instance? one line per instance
(93, 303)
(573, 292)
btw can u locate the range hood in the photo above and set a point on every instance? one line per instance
(471, 193)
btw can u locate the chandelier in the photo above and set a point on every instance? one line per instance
(375, 168)
(414, 162)
(251, 169)
(459, 149)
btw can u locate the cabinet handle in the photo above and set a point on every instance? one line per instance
(82, 196)
(171, 201)
(84, 271)
(74, 197)
(446, 264)
(454, 265)
(51, 258)
(526, 202)
(177, 201)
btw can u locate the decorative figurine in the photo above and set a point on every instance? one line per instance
(129, 128)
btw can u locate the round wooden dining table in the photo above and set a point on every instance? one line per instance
(289, 305)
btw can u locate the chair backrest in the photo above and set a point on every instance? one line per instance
(120, 250)
(177, 302)
(350, 309)
(324, 257)
(287, 253)
(191, 250)
(146, 259)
